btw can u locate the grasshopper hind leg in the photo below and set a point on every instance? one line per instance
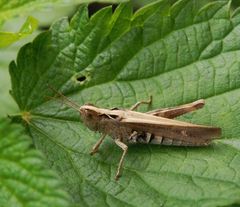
(174, 112)
(124, 148)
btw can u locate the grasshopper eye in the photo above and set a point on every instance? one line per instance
(85, 112)
(88, 113)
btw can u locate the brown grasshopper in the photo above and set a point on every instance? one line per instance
(127, 126)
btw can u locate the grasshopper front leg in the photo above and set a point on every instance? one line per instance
(96, 146)
(124, 148)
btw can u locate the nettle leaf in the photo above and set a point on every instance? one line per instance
(177, 53)
(25, 181)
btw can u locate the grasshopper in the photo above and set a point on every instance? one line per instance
(127, 126)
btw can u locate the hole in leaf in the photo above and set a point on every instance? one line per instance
(81, 78)
(94, 7)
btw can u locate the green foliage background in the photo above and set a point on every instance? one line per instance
(177, 52)
(25, 181)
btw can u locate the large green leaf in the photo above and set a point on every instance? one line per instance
(177, 53)
(24, 180)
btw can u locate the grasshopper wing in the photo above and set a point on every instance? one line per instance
(169, 128)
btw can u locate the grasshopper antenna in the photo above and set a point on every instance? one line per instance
(64, 99)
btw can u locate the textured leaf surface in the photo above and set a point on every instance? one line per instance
(24, 181)
(177, 53)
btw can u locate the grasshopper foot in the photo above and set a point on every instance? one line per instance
(117, 176)
(93, 151)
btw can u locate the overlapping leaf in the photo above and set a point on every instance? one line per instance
(25, 181)
(10, 9)
(177, 53)
(7, 38)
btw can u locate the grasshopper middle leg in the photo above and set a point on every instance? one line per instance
(136, 105)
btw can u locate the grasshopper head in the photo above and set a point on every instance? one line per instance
(90, 116)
